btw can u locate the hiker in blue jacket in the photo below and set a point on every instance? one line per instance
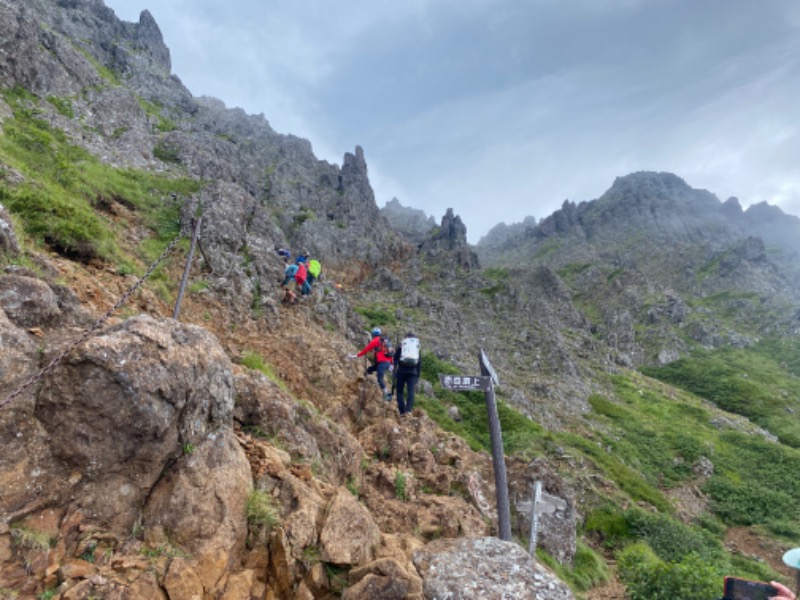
(289, 285)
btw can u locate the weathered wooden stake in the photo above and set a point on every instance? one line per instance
(536, 497)
(187, 268)
(498, 459)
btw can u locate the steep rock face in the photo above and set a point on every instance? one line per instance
(151, 42)
(129, 110)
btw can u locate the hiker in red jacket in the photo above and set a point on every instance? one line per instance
(383, 359)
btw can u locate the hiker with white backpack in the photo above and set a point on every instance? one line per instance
(407, 365)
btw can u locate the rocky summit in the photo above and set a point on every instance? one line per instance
(173, 428)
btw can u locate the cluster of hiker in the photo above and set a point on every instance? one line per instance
(298, 276)
(403, 361)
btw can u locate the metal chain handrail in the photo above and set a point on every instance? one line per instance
(96, 325)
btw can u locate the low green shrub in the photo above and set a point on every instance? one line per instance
(400, 482)
(647, 577)
(609, 523)
(69, 225)
(588, 569)
(378, 316)
(672, 540)
(748, 502)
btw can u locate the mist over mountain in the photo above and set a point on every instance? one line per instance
(647, 345)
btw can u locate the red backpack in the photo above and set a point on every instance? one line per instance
(300, 276)
(385, 348)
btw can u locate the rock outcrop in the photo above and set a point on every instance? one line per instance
(451, 240)
(484, 569)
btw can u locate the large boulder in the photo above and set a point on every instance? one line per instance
(484, 569)
(125, 406)
(349, 536)
(178, 510)
(28, 302)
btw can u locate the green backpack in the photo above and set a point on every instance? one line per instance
(314, 268)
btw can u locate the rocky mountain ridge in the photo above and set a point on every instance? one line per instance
(660, 211)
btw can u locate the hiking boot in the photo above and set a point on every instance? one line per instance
(388, 396)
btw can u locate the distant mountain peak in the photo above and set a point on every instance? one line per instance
(413, 223)
(651, 186)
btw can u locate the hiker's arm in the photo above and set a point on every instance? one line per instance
(371, 346)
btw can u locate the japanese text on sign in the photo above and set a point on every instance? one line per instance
(465, 382)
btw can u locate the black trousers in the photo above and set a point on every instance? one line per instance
(406, 382)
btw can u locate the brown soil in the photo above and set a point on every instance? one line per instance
(748, 542)
(612, 590)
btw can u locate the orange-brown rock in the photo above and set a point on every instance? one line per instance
(349, 535)
(182, 581)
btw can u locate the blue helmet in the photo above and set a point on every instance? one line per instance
(376, 331)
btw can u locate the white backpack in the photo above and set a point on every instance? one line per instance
(409, 352)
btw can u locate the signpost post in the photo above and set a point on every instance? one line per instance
(498, 458)
(485, 383)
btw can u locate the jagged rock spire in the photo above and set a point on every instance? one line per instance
(451, 237)
(149, 39)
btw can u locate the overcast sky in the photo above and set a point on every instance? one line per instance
(502, 109)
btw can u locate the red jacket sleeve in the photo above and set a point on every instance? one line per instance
(371, 346)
